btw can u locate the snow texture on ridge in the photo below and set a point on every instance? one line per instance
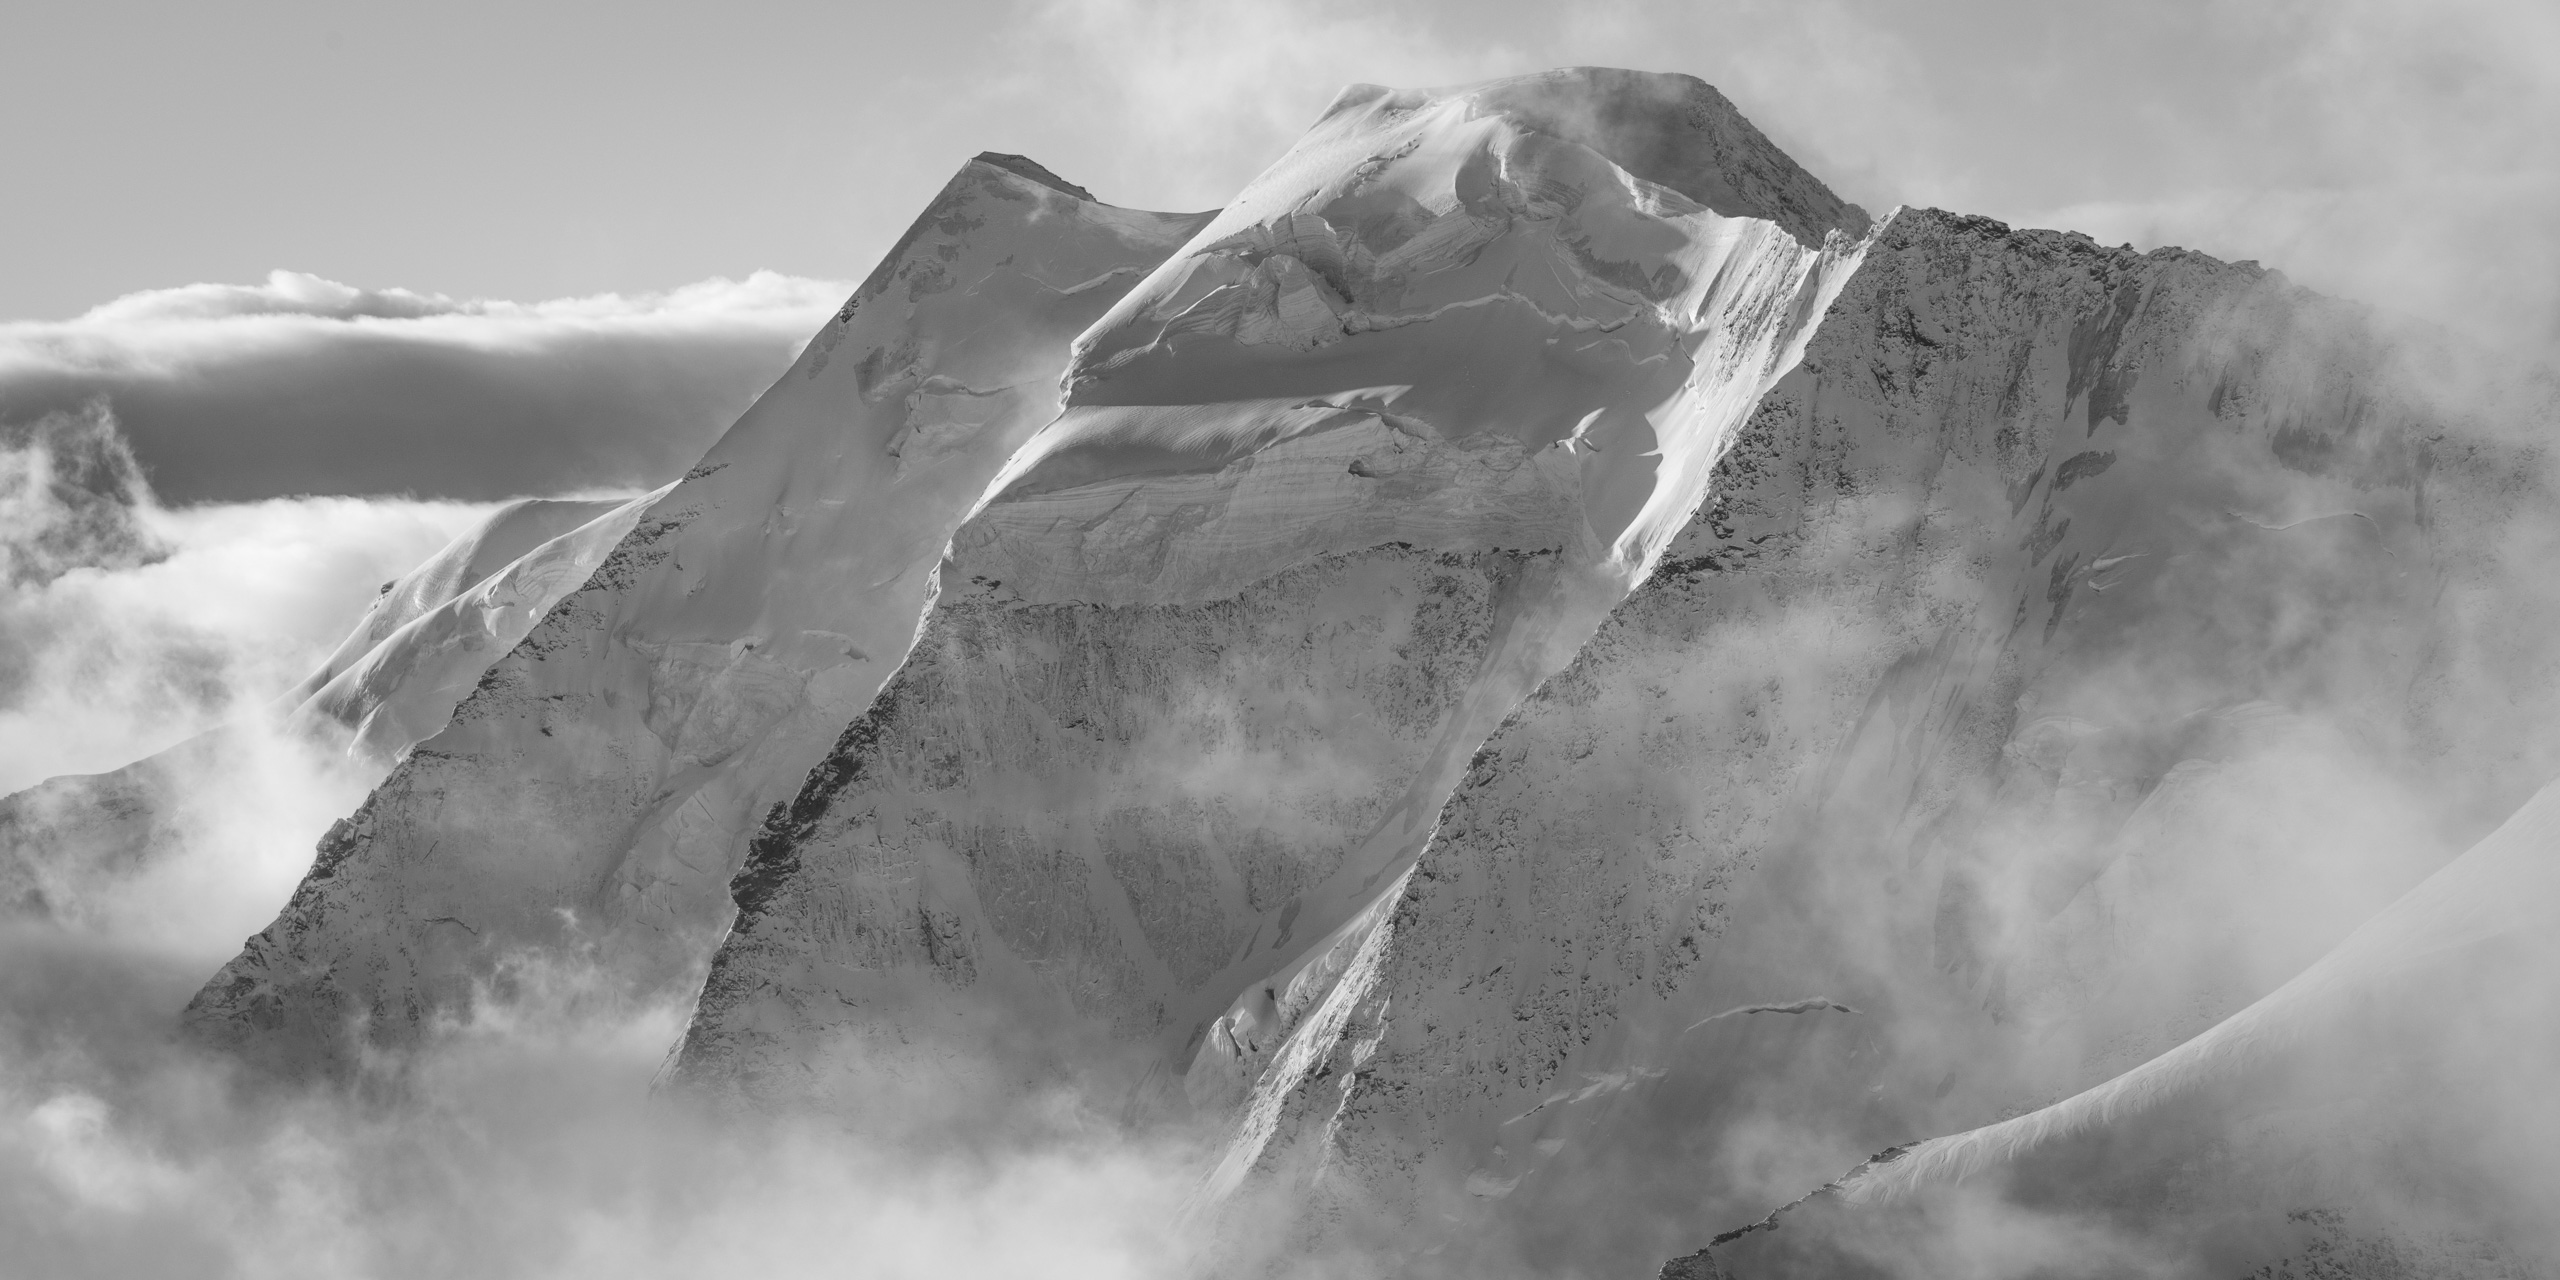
(591, 790)
(1334, 487)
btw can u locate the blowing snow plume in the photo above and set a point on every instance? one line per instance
(1524, 694)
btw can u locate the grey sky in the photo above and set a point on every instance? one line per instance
(2402, 152)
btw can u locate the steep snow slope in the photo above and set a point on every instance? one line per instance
(1332, 489)
(591, 791)
(505, 537)
(2040, 680)
(2505, 886)
(405, 685)
(392, 681)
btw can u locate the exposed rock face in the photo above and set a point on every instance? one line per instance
(1550, 677)
(1068, 823)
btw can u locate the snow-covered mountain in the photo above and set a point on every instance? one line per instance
(1330, 492)
(1545, 679)
(594, 789)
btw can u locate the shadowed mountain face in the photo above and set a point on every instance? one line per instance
(1551, 685)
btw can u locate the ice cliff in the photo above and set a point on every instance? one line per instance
(1545, 678)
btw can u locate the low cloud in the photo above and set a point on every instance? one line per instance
(126, 624)
(523, 1143)
(303, 385)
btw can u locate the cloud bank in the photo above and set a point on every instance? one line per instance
(302, 385)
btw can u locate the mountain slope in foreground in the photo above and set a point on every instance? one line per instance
(1544, 678)
(2339, 1080)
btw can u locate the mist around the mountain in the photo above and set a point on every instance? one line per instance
(529, 1141)
(2418, 1134)
(526, 1143)
(2416, 1138)
(2435, 1128)
(127, 624)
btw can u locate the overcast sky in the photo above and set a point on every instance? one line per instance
(542, 150)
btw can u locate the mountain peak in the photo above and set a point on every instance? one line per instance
(1672, 130)
(1026, 167)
